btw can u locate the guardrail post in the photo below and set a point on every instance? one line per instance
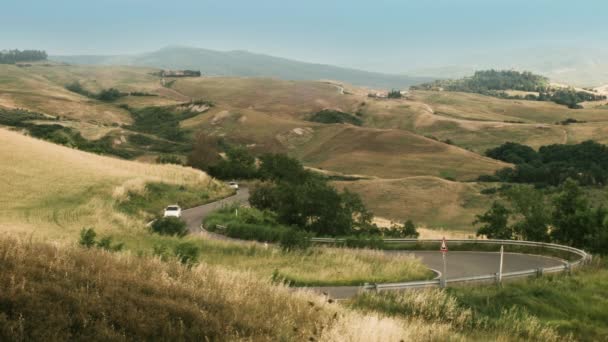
(568, 268)
(498, 278)
(442, 283)
(370, 287)
(539, 272)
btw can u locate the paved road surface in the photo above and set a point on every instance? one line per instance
(459, 264)
(194, 216)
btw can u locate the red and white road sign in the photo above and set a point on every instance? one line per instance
(444, 246)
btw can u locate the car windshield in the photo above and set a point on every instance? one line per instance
(172, 208)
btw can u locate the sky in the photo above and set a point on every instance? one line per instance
(378, 35)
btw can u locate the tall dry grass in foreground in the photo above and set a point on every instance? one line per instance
(61, 292)
(53, 191)
(438, 307)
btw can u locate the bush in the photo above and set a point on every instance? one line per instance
(169, 159)
(109, 95)
(372, 242)
(187, 253)
(170, 226)
(292, 240)
(328, 116)
(87, 237)
(257, 232)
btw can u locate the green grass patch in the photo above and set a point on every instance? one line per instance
(576, 304)
(328, 116)
(320, 266)
(156, 196)
(246, 224)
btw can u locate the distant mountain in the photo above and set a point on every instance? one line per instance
(247, 64)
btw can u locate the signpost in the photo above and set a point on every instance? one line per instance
(444, 252)
(502, 253)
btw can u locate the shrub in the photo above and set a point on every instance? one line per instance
(106, 244)
(187, 253)
(87, 237)
(329, 116)
(394, 94)
(257, 232)
(170, 226)
(372, 242)
(109, 95)
(169, 159)
(292, 240)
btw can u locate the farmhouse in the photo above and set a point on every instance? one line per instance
(180, 73)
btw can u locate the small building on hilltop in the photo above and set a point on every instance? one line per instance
(180, 73)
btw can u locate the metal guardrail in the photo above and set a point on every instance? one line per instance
(495, 278)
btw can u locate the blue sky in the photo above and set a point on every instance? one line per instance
(378, 35)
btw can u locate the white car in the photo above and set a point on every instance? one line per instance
(234, 185)
(173, 211)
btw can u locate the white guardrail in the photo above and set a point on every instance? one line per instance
(489, 278)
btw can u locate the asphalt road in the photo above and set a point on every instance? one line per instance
(194, 216)
(459, 264)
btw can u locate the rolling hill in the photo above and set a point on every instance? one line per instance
(246, 64)
(54, 191)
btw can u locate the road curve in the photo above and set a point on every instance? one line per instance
(194, 216)
(459, 263)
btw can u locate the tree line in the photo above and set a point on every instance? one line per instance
(567, 218)
(15, 56)
(586, 162)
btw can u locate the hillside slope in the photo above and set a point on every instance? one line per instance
(54, 191)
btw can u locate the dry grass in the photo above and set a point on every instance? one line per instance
(322, 266)
(58, 292)
(54, 191)
(438, 307)
(390, 154)
(429, 201)
(287, 99)
(26, 88)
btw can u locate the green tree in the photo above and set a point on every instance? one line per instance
(87, 237)
(572, 216)
(394, 94)
(280, 167)
(409, 230)
(495, 222)
(531, 206)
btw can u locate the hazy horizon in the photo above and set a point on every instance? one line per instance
(384, 36)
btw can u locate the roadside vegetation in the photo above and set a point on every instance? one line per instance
(180, 302)
(565, 216)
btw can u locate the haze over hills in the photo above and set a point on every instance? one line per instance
(246, 64)
(583, 67)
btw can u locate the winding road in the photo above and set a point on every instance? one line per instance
(459, 264)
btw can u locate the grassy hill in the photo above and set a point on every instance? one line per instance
(428, 201)
(425, 134)
(53, 191)
(246, 64)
